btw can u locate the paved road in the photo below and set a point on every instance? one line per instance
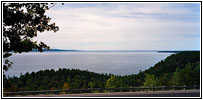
(180, 93)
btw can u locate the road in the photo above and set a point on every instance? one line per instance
(180, 93)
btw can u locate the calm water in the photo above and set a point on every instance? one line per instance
(118, 63)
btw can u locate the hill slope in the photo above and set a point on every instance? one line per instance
(170, 64)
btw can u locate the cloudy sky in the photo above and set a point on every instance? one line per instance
(124, 26)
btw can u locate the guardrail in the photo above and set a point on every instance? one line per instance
(91, 90)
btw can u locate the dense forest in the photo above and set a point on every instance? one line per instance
(182, 68)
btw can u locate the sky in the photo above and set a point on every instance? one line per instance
(124, 26)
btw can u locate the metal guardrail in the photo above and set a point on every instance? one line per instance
(90, 90)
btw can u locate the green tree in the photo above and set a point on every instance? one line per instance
(184, 76)
(164, 80)
(66, 86)
(91, 84)
(150, 80)
(176, 79)
(112, 82)
(196, 76)
(21, 23)
(187, 74)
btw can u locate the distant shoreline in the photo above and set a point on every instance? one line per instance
(178, 51)
(159, 51)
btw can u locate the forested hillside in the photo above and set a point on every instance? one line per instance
(170, 64)
(182, 68)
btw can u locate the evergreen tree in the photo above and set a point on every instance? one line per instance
(150, 80)
(112, 82)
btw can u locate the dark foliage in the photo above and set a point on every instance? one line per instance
(51, 79)
(170, 64)
(22, 22)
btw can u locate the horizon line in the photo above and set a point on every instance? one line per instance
(119, 50)
(127, 49)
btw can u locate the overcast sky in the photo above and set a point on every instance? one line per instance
(124, 26)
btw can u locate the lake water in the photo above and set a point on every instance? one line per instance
(118, 63)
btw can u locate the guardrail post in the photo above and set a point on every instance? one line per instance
(146, 89)
(163, 88)
(173, 87)
(195, 87)
(184, 87)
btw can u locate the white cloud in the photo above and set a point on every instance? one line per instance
(123, 26)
